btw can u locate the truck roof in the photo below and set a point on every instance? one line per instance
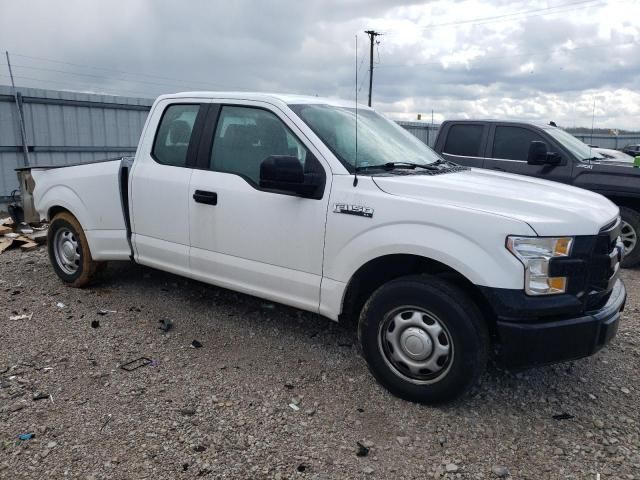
(500, 120)
(265, 97)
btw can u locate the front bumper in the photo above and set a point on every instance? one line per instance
(530, 343)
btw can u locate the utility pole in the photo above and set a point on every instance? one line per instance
(18, 99)
(372, 36)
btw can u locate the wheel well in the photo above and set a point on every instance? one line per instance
(53, 211)
(629, 202)
(381, 270)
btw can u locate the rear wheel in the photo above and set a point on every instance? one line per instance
(629, 233)
(423, 339)
(69, 251)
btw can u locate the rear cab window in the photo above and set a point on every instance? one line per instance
(174, 134)
(464, 140)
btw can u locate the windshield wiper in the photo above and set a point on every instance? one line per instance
(396, 165)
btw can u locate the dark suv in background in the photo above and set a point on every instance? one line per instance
(548, 152)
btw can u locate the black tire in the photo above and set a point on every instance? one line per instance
(459, 319)
(83, 270)
(632, 219)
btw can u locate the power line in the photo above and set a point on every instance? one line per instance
(566, 7)
(67, 72)
(93, 67)
(562, 50)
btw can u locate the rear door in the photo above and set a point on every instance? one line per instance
(465, 143)
(160, 179)
(244, 237)
(508, 148)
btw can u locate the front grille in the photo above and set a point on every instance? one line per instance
(593, 267)
(603, 269)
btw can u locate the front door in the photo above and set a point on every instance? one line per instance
(247, 238)
(509, 149)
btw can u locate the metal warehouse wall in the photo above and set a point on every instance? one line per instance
(616, 142)
(424, 131)
(65, 127)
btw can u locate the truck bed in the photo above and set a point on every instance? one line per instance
(95, 193)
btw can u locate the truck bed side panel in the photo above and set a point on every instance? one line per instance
(92, 194)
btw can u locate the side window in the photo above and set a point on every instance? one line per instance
(512, 143)
(246, 136)
(464, 140)
(174, 132)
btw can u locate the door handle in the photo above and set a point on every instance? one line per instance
(209, 198)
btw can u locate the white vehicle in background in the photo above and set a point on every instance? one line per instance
(272, 195)
(613, 155)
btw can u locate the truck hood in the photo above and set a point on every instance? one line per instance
(550, 208)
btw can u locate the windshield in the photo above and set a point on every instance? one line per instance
(380, 141)
(581, 150)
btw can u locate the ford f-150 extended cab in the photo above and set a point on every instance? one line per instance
(548, 152)
(276, 196)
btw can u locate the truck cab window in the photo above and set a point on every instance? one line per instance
(464, 140)
(246, 136)
(512, 143)
(172, 140)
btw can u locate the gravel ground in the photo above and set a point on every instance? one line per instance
(223, 410)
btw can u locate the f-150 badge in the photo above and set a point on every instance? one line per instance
(353, 210)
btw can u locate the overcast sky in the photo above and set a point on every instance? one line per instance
(539, 60)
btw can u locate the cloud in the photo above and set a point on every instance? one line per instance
(432, 56)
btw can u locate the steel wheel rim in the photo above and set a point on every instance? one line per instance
(416, 345)
(67, 250)
(629, 237)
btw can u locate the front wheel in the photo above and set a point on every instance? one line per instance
(69, 251)
(629, 233)
(423, 339)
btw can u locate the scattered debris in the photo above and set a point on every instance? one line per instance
(105, 312)
(188, 411)
(60, 305)
(199, 448)
(294, 407)
(95, 323)
(362, 450)
(21, 317)
(26, 236)
(136, 364)
(451, 468)
(302, 467)
(500, 472)
(40, 396)
(165, 325)
(26, 436)
(196, 344)
(563, 416)
(289, 386)
(104, 425)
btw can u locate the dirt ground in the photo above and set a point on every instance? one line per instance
(274, 392)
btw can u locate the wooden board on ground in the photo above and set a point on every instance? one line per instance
(28, 246)
(5, 229)
(5, 243)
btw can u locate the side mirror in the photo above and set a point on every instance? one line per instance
(285, 173)
(539, 155)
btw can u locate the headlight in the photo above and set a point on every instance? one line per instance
(535, 253)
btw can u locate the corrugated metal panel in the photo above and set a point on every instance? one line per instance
(616, 142)
(66, 127)
(423, 131)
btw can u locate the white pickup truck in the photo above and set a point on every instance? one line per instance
(276, 196)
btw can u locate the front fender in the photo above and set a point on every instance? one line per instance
(481, 265)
